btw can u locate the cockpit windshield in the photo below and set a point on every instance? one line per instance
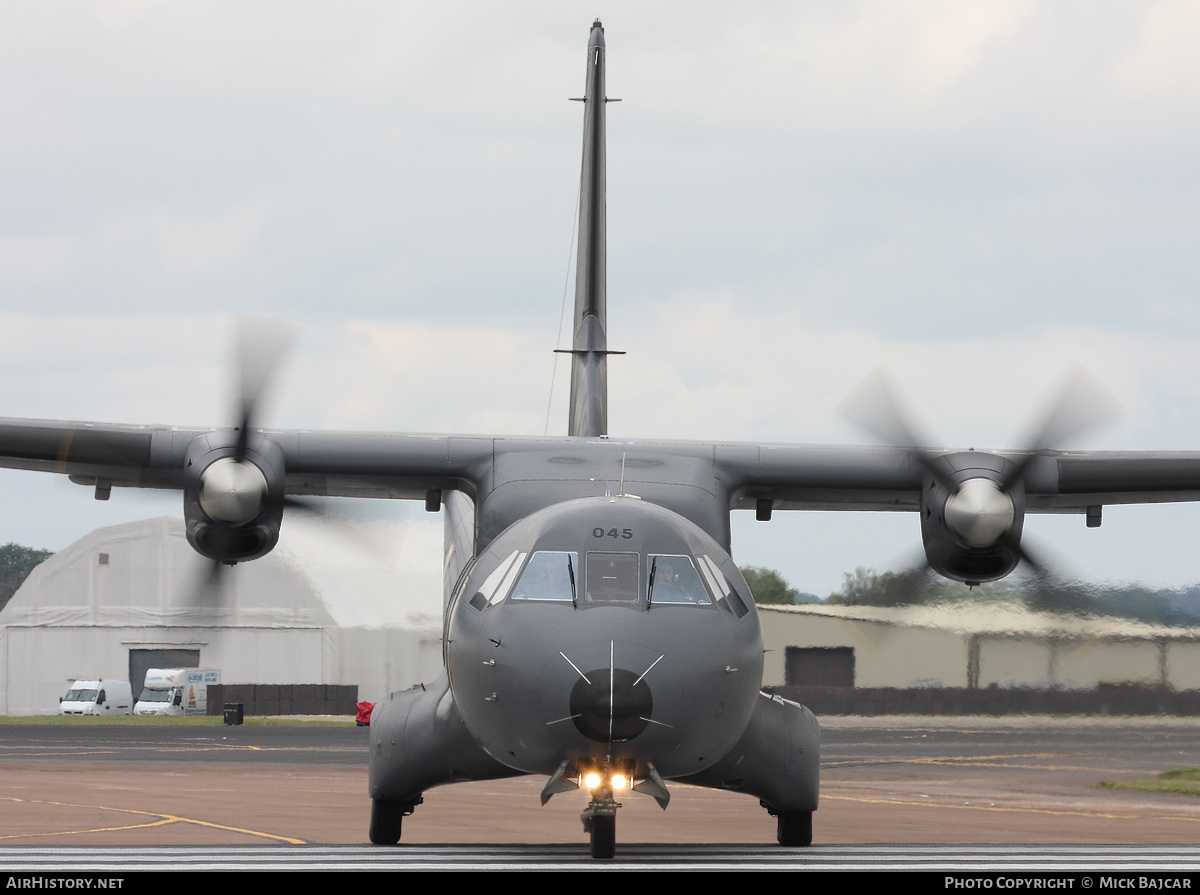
(672, 579)
(549, 576)
(609, 578)
(612, 578)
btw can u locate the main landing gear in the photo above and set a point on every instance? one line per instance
(792, 828)
(387, 818)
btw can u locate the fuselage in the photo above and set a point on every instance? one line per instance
(606, 629)
(600, 640)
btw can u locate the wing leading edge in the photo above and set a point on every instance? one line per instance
(396, 465)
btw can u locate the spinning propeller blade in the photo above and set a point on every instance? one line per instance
(979, 510)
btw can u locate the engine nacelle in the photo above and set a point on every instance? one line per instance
(972, 534)
(232, 507)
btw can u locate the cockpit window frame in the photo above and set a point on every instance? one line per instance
(569, 592)
(638, 596)
(659, 598)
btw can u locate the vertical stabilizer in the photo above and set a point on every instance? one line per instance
(589, 346)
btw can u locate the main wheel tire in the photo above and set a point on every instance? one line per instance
(386, 821)
(794, 828)
(604, 835)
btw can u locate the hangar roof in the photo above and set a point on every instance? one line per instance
(987, 618)
(145, 573)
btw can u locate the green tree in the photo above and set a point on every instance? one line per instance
(866, 587)
(16, 562)
(768, 586)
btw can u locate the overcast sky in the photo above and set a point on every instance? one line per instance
(977, 197)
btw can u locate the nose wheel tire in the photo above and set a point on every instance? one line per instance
(794, 828)
(386, 820)
(604, 835)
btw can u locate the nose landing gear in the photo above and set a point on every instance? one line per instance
(600, 816)
(600, 822)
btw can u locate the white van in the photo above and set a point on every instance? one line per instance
(97, 698)
(176, 691)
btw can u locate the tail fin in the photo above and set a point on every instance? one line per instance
(589, 346)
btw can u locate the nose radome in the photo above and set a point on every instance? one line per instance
(611, 705)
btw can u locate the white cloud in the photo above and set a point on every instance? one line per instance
(976, 196)
(1163, 62)
(34, 259)
(211, 243)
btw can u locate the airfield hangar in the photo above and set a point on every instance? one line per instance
(324, 607)
(1001, 649)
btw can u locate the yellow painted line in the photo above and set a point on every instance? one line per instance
(1004, 756)
(163, 819)
(928, 803)
(1090, 769)
(1018, 767)
(980, 761)
(212, 747)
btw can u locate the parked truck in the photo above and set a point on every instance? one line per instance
(176, 691)
(98, 697)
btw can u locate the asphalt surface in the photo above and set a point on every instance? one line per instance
(123, 743)
(908, 780)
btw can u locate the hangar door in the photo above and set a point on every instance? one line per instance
(141, 660)
(812, 666)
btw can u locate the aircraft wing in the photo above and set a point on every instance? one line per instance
(335, 464)
(1117, 477)
(859, 478)
(393, 465)
(124, 455)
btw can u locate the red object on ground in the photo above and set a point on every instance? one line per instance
(364, 714)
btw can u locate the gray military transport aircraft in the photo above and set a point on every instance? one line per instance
(597, 631)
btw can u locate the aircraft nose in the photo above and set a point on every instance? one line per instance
(611, 705)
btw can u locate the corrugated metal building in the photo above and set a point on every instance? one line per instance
(971, 646)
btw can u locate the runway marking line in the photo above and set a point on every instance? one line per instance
(210, 747)
(163, 819)
(981, 761)
(1101, 815)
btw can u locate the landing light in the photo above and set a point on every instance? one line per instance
(592, 780)
(618, 781)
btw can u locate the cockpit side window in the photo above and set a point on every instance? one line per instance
(550, 575)
(498, 584)
(674, 581)
(726, 595)
(612, 578)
